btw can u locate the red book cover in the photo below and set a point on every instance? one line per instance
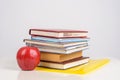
(60, 30)
(58, 33)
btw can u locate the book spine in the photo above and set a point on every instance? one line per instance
(29, 31)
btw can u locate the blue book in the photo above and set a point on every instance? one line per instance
(46, 39)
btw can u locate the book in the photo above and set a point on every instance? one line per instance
(58, 33)
(47, 56)
(52, 44)
(61, 51)
(48, 39)
(66, 64)
(57, 48)
(65, 50)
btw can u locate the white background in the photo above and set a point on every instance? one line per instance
(100, 17)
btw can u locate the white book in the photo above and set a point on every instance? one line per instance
(61, 48)
(52, 44)
(62, 51)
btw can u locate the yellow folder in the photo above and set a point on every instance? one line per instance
(82, 69)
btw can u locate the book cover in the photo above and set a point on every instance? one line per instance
(66, 64)
(65, 50)
(61, 51)
(58, 33)
(59, 57)
(52, 44)
(47, 39)
(57, 48)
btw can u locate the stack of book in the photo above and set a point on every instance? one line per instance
(60, 49)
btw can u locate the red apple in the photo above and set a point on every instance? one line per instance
(28, 57)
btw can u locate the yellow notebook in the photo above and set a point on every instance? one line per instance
(82, 69)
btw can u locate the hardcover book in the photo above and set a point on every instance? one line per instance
(58, 33)
(66, 64)
(47, 56)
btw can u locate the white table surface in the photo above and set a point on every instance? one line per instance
(9, 70)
